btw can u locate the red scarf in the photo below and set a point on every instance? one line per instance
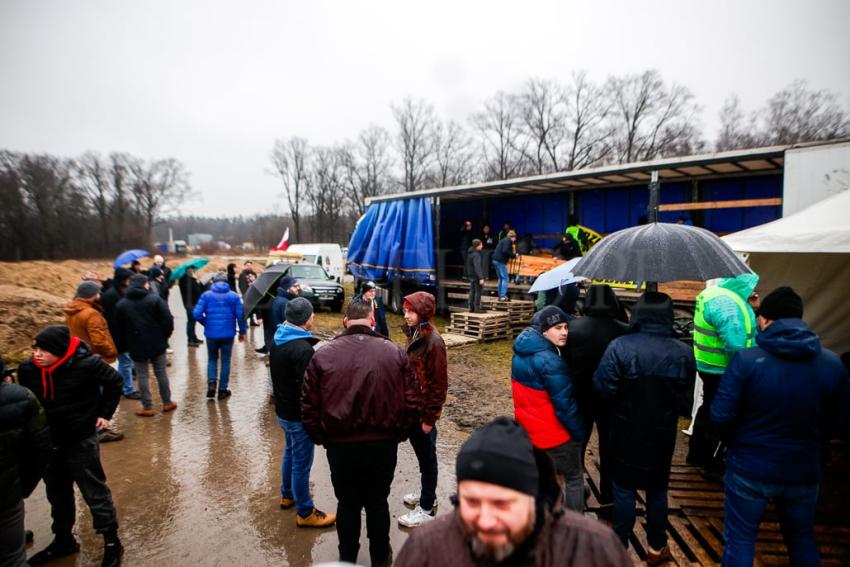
(47, 372)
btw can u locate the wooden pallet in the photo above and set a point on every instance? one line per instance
(456, 340)
(695, 523)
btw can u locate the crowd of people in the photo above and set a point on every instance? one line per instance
(771, 396)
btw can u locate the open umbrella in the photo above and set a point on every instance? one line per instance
(263, 289)
(128, 256)
(562, 274)
(180, 270)
(661, 252)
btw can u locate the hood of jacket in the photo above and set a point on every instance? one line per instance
(220, 287)
(77, 305)
(743, 284)
(422, 303)
(789, 338)
(531, 341)
(601, 301)
(653, 313)
(288, 332)
(136, 293)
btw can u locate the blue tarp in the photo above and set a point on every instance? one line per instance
(394, 238)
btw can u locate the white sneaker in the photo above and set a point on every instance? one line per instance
(412, 499)
(416, 518)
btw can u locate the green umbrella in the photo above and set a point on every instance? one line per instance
(180, 270)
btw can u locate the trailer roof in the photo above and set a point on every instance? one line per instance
(732, 163)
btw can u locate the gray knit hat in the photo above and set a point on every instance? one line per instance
(87, 289)
(298, 311)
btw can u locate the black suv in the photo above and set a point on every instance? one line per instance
(317, 286)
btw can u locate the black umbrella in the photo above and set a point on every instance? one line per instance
(264, 287)
(661, 252)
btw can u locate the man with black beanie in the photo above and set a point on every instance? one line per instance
(79, 393)
(509, 510)
(771, 408)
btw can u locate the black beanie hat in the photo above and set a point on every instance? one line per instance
(782, 303)
(54, 339)
(138, 280)
(500, 453)
(548, 317)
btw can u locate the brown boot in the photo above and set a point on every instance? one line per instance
(316, 519)
(145, 412)
(286, 503)
(170, 406)
(658, 557)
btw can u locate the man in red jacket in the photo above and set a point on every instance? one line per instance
(360, 399)
(427, 353)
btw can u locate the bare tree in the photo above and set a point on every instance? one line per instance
(290, 159)
(93, 177)
(415, 121)
(799, 114)
(736, 129)
(650, 119)
(588, 136)
(158, 187)
(366, 166)
(327, 193)
(541, 107)
(46, 182)
(453, 155)
(502, 143)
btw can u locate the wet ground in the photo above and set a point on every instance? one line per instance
(201, 485)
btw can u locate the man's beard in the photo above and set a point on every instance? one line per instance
(486, 553)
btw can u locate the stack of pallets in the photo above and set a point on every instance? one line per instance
(482, 326)
(519, 313)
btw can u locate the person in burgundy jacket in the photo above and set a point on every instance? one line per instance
(360, 398)
(427, 353)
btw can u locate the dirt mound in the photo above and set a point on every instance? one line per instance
(32, 295)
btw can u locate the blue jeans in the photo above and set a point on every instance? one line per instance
(502, 274)
(125, 369)
(656, 515)
(295, 468)
(745, 501)
(214, 347)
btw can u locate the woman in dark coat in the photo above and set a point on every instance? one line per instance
(231, 277)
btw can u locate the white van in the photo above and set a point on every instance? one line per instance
(328, 256)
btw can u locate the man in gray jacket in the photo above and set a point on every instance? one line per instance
(475, 271)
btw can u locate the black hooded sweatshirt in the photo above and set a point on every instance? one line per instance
(79, 388)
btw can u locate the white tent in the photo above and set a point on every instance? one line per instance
(809, 251)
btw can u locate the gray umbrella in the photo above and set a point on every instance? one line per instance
(661, 252)
(264, 287)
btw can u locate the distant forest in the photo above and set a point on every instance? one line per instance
(96, 206)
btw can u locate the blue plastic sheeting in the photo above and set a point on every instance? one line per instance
(394, 238)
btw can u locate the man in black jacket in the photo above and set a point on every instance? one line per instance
(190, 291)
(144, 324)
(501, 255)
(476, 274)
(291, 353)
(647, 376)
(24, 450)
(589, 337)
(109, 302)
(79, 393)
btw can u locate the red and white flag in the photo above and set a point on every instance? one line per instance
(284, 242)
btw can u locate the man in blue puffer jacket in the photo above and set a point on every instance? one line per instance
(773, 406)
(220, 311)
(543, 398)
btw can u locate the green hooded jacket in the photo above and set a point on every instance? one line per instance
(724, 315)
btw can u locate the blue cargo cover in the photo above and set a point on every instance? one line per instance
(394, 238)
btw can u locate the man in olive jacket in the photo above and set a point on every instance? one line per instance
(510, 511)
(24, 450)
(79, 393)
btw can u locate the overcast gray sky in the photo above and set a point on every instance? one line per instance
(214, 83)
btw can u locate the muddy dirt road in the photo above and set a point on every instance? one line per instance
(201, 485)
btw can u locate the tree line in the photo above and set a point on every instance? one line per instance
(53, 207)
(547, 125)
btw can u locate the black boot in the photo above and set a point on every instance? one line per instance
(112, 550)
(61, 546)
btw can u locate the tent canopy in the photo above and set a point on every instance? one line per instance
(823, 227)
